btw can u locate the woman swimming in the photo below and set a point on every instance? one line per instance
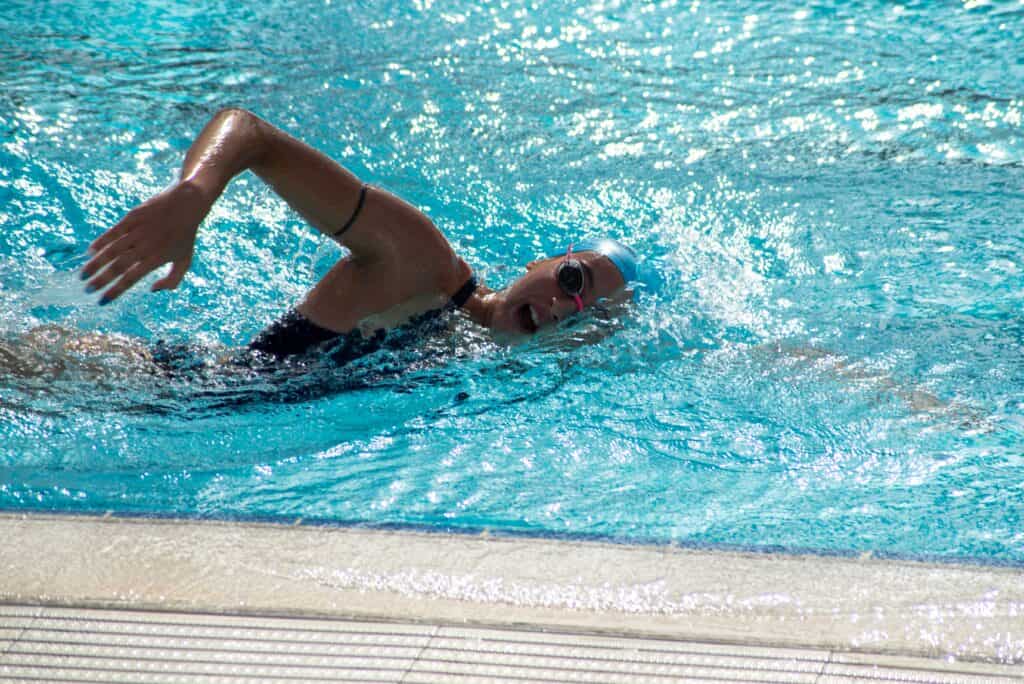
(400, 269)
(395, 286)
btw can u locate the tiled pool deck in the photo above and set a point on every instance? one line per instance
(142, 600)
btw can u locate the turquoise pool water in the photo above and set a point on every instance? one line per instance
(833, 194)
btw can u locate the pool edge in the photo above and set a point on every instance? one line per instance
(852, 605)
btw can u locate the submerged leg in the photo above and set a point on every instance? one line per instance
(51, 351)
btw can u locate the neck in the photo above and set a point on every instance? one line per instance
(481, 305)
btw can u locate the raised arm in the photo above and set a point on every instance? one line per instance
(163, 228)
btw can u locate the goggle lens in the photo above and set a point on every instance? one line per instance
(569, 275)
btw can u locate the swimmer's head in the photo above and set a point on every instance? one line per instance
(567, 282)
(623, 257)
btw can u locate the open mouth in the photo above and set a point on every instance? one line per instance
(528, 320)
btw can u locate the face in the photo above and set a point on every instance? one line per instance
(537, 300)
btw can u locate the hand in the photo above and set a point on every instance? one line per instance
(160, 230)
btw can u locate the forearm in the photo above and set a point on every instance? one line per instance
(318, 188)
(163, 228)
(230, 143)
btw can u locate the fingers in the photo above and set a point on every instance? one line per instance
(111, 247)
(127, 279)
(118, 264)
(111, 236)
(116, 269)
(106, 263)
(158, 231)
(95, 265)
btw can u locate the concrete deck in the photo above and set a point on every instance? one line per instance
(75, 645)
(107, 599)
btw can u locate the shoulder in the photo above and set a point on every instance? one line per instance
(394, 236)
(400, 265)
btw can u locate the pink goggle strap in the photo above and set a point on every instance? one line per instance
(576, 298)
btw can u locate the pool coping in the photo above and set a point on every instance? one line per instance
(913, 609)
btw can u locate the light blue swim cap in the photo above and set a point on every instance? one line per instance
(624, 258)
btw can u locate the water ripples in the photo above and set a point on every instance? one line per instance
(831, 194)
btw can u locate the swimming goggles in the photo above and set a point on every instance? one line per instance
(569, 275)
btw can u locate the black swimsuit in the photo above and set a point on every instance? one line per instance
(294, 334)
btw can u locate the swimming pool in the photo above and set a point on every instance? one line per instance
(832, 195)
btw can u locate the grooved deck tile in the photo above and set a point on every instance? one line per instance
(895, 662)
(228, 627)
(368, 659)
(866, 674)
(228, 651)
(192, 669)
(86, 645)
(575, 670)
(551, 636)
(86, 634)
(65, 675)
(19, 611)
(313, 624)
(442, 677)
(640, 650)
(630, 660)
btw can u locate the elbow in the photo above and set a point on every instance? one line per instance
(238, 119)
(233, 113)
(241, 124)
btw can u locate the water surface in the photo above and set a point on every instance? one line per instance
(832, 194)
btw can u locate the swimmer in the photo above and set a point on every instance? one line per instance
(400, 269)
(400, 273)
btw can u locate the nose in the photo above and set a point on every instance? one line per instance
(562, 308)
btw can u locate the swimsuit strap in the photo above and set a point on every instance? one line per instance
(460, 298)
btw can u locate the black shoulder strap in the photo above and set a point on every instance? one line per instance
(465, 292)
